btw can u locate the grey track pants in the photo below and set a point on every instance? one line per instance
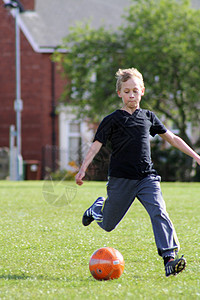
(121, 194)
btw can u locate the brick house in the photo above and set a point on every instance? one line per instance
(43, 24)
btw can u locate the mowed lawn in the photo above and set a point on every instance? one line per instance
(45, 250)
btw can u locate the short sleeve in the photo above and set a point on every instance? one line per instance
(157, 126)
(104, 131)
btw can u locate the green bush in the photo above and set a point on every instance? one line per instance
(171, 163)
(62, 175)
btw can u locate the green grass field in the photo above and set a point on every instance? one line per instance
(45, 250)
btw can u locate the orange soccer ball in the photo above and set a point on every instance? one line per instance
(106, 263)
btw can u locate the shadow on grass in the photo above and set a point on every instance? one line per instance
(39, 277)
(15, 277)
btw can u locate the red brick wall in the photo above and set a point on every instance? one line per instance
(35, 90)
(7, 74)
(28, 4)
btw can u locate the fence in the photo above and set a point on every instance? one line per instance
(51, 162)
(4, 163)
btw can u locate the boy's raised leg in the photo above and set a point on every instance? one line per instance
(89, 215)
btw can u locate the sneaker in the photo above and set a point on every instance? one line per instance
(87, 217)
(175, 266)
(88, 214)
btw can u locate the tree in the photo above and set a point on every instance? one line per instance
(91, 60)
(163, 42)
(161, 39)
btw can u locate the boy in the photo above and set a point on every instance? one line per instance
(131, 172)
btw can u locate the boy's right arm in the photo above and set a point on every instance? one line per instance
(93, 150)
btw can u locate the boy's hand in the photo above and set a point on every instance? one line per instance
(79, 176)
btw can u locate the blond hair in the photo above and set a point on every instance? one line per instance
(123, 75)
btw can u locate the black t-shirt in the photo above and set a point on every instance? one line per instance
(128, 136)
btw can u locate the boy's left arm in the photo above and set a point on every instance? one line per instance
(177, 142)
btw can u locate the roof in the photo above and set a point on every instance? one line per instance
(195, 4)
(51, 21)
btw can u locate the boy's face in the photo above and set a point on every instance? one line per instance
(131, 93)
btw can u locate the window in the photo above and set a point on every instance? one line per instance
(74, 127)
(74, 149)
(74, 144)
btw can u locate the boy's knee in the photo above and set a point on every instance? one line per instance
(108, 227)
